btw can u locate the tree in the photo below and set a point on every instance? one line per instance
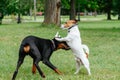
(69, 7)
(83, 4)
(72, 9)
(92, 5)
(3, 10)
(52, 12)
(65, 7)
(108, 8)
(116, 8)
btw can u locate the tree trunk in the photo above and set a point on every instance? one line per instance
(0, 21)
(30, 8)
(119, 16)
(1, 17)
(72, 9)
(52, 12)
(109, 15)
(108, 9)
(35, 10)
(19, 13)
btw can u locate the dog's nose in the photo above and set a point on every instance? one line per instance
(62, 26)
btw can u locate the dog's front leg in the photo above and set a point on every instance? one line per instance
(68, 38)
(49, 64)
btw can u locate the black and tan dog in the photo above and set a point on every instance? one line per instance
(40, 50)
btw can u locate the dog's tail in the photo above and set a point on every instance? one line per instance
(26, 48)
(86, 49)
(34, 69)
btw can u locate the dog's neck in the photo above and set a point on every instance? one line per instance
(71, 27)
(54, 46)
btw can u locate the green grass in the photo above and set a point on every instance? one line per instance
(102, 37)
(13, 19)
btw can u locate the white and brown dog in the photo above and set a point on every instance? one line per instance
(73, 39)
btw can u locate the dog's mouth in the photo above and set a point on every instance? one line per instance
(63, 27)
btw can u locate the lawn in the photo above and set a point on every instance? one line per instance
(102, 37)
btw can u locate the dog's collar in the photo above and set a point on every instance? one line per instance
(53, 43)
(71, 27)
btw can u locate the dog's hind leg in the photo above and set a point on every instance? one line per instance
(20, 61)
(33, 68)
(78, 63)
(85, 63)
(35, 54)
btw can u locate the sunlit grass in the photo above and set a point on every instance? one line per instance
(102, 37)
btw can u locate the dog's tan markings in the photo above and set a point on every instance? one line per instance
(61, 46)
(58, 72)
(70, 23)
(27, 48)
(86, 55)
(34, 69)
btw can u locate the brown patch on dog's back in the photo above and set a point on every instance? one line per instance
(27, 48)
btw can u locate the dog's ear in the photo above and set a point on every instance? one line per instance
(75, 20)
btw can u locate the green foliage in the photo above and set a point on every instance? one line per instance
(116, 8)
(92, 5)
(3, 10)
(3, 6)
(65, 4)
(40, 5)
(24, 6)
(82, 4)
(13, 7)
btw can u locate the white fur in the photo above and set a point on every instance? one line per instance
(73, 39)
(85, 48)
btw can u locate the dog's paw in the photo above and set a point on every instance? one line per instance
(59, 78)
(43, 76)
(58, 39)
(76, 72)
(89, 74)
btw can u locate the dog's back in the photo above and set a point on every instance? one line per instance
(40, 43)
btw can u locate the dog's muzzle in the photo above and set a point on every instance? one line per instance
(63, 27)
